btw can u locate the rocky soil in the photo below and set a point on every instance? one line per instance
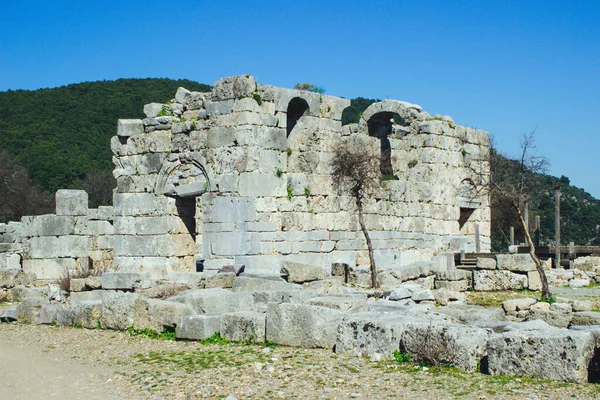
(41, 361)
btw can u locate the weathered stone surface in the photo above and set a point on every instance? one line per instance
(192, 280)
(197, 327)
(515, 262)
(302, 325)
(582, 305)
(54, 313)
(456, 286)
(487, 280)
(243, 326)
(424, 295)
(300, 273)
(518, 304)
(451, 275)
(71, 202)
(152, 109)
(11, 277)
(234, 87)
(29, 309)
(353, 303)
(9, 315)
(543, 354)
(129, 127)
(585, 318)
(365, 334)
(88, 314)
(158, 314)
(534, 282)
(486, 263)
(461, 346)
(249, 283)
(400, 293)
(589, 263)
(220, 280)
(445, 296)
(126, 280)
(325, 286)
(552, 318)
(118, 310)
(216, 300)
(21, 292)
(468, 314)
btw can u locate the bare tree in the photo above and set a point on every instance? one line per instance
(515, 182)
(357, 172)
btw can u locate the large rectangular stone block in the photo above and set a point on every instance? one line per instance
(48, 225)
(49, 268)
(44, 247)
(158, 314)
(233, 243)
(256, 184)
(197, 327)
(133, 204)
(128, 127)
(232, 209)
(164, 245)
(493, 280)
(215, 300)
(302, 325)
(126, 280)
(243, 326)
(73, 246)
(71, 202)
(515, 262)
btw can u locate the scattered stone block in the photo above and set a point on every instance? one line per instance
(197, 327)
(29, 309)
(158, 314)
(192, 280)
(54, 313)
(220, 280)
(445, 296)
(564, 308)
(325, 286)
(9, 315)
(534, 282)
(448, 344)
(302, 325)
(518, 304)
(486, 263)
(543, 354)
(541, 306)
(250, 283)
(582, 305)
(216, 300)
(126, 280)
(585, 318)
(243, 326)
(456, 286)
(88, 314)
(400, 293)
(553, 318)
(118, 310)
(487, 280)
(236, 269)
(299, 273)
(424, 295)
(451, 275)
(577, 283)
(11, 277)
(515, 262)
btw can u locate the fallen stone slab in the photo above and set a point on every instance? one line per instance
(302, 325)
(467, 314)
(457, 286)
(445, 296)
(424, 295)
(250, 283)
(18, 293)
(118, 310)
(88, 314)
(9, 315)
(77, 298)
(399, 293)
(126, 280)
(553, 318)
(367, 334)
(243, 326)
(197, 327)
(555, 354)
(585, 318)
(352, 303)
(54, 313)
(299, 273)
(515, 262)
(518, 304)
(29, 309)
(158, 315)
(451, 275)
(325, 286)
(531, 325)
(488, 280)
(461, 346)
(216, 300)
(220, 280)
(236, 269)
(192, 280)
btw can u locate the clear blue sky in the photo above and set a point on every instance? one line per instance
(503, 66)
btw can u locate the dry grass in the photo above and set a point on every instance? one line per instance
(64, 282)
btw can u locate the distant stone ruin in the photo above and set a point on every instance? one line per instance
(241, 175)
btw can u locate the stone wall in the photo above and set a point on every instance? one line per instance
(242, 175)
(48, 246)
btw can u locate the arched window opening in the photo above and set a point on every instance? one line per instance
(296, 109)
(380, 126)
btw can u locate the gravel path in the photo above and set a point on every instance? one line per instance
(62, 362)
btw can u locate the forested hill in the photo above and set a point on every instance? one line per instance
(60, 134)
(62, 138)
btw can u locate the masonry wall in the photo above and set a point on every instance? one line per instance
(221, 177)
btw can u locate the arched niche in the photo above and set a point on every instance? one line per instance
(297, 107)
(380, 126)
(467, 199)
(183, 175)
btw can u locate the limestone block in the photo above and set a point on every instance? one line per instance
(84, 226)
(154, 245)
(515, 262)
(366, 334)
(220, 280)
(444, 296)
(29, 309)
(518, 304)
(152, 109)
(9, 315)
(126, 280)
(77, 298)
(232, 209)
(71, 202)
(399, 293)
(451, 344)
(158, 314)
(550, 354)
(534, 281)
(552, 318)
(88, 314)
(20, 292)
(234, 87)
(128, 127)
(197, 327)
(54, 313)
(192, 280)
(134, 204)
(352, 303)
(48, 225)
(257, 184)
(243, 326)
(582, 305)
(586, 263)
(451, 275)
(44, 247)
(118, 310)
(586, 318)
(302, 325)
(233, 243)
(11, 277)
(146, 225)
(215, 300)
(248, 283)
(299, 273)
(423, 295)
(77, 285)
(246, 104)
(49, 268)
(458, 286)
(488, 280)
(221, 136)
(73, 246)
(106, 242)
(268, 138)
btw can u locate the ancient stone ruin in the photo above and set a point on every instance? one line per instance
(226, 220)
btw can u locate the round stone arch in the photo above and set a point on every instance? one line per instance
(296, 109)
(193, 180)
